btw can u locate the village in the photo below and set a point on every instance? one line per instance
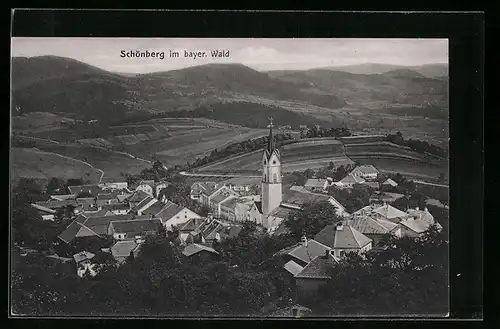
(121, 217)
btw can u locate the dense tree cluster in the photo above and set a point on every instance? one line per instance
(311, 219)
(417, 145)
(238, 148)
(159, 281)
(353, 198)
(315, 131)
(410, 277)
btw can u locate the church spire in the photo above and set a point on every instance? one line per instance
(270, 141)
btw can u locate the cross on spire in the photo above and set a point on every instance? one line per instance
(270, 125)
(270, 141)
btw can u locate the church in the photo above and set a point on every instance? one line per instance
(275, 204)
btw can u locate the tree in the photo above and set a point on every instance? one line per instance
(56, 185)
(311, 219)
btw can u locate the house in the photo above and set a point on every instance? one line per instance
(144, 204)
(84, 264)
(83, 226)
(315, 275)
(375, 229)
(130, 229)
(385, 211)
(87, 204)
(389, 182)
(200, 252)
(218, 197)
(91, 189)
(114, 186)
(170, 214)
(107, 198)
(136, 198)
(158, 187)
(381, 197)
(343, 239)
(238, 208)
(117, 209)
(278, 216)
(207, 230)
(367, 172)
(299, 196)
(57, 204)
(316, 184)
(147, 186)
(186, 228)
(349, 181)
(304, 252)
(121, 250)
(202, 188)
(417, 223)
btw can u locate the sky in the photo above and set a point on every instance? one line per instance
(259, 54)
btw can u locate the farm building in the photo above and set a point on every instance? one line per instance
(130, 229)
(367, 172)
(349, 181)
(316, 184)
(314, 275)
(121, 250)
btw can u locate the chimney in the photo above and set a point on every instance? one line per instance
(304, 241)
(417, 209)
(210, 215)
(340, 226)
(327, 254)
(426, 210)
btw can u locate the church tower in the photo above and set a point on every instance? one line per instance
(271, 176)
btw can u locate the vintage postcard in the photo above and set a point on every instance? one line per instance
(269, 178)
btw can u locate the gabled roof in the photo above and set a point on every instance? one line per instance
(389, 212)
(164, 211)
(143, 203)
(116, 206)
(258, 205)
(306, 253)
(366, 169)
(293, 267)
(374, 185)
(351, 179)
(282, 212)
(223, 194)
(138, 196)
(72, 229)
(424, 215)
(195, 248)
(319, 268)
(55, 204)
(93, 189)
(83, 255)
(390, 182)
(416, 225)
(300, 198)
(123, 197)
(316, 182)
(368, 225)
(123, 248)
(136, 226)
(149, 182)
(346, 238)
(205, 187)
(99, 213)
(107, 196)
(191, 224)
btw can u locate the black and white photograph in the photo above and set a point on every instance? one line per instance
(229, 177)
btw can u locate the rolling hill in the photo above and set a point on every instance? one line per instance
(55, 84)
(402, 86)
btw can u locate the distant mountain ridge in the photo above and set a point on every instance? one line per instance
(63, 85)
(432, 70)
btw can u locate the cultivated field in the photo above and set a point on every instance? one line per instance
(302, 155)
(112, 163)
(34, 163)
